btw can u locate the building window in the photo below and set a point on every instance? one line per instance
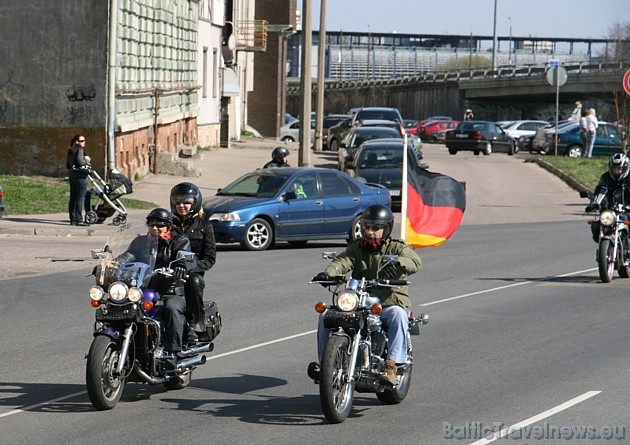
(204, 89)
(215, 72)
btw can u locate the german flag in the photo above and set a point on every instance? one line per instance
(434, 207)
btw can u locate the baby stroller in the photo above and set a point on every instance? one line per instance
(107, 193)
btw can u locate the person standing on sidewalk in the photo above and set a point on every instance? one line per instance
(77, 163)
(591, 132)
(189, 217)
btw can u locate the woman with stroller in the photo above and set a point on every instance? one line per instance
(78, 169)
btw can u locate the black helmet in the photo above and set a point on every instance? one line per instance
(160, 214)
(618, 166)
(280, 152)
(186, 191)
(380, 216)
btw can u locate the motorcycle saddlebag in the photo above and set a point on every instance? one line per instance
(213, 321)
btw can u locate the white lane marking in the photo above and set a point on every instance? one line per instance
(458, 297)
(37, 405)
(260, 345)
(538, 417)
(225, 354)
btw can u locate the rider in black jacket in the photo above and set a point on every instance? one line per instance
(278, 158)
(189, 217)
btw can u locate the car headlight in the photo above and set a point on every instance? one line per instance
(96, 293)
(224, 217)
(607, 218)
(135, 294)
(118, 291)
(347, 301)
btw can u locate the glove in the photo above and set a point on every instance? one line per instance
(322, 276)
(591, 207)
(390, 271)
(179, 273)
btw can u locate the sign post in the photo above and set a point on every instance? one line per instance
(556, 77)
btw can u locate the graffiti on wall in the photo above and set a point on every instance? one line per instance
(81, 93)
(77, 114)
(10, 100)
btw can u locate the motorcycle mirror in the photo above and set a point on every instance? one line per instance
(329, 255)
(185, 255)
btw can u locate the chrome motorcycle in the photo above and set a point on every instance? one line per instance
(128, 328)
(356, 349)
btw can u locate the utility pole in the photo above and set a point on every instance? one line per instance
(510, 45)
(321, 80)
(494, 38)
(304, 154)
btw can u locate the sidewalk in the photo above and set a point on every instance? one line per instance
(218, 167)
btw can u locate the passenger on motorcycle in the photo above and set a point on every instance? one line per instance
(613, 186)
(279, 157)
(363, 258)
(189, 217)
(164, 243)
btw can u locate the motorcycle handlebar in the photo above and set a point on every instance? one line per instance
(394, 282)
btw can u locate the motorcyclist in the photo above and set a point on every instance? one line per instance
(613, 186)
(363, 257)
(159, 248)
(189, 218)
(278, 158)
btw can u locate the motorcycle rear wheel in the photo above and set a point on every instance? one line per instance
(336, 389)
(104, 389)
(605, 261)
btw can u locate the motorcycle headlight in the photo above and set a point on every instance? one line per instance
(607, 218)
(347, 301)
(118, 291)
(96, 293)
(224, 217)
(135, 294)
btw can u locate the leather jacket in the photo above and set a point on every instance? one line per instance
(201, 235)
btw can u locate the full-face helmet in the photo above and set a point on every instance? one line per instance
(280, 152)
(378, 217)
(161, 215)
(186, 192)
(618, 166)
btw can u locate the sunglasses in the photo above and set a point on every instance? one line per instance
(183, 202)
(157, 224)
(80, 140)
(373, 227)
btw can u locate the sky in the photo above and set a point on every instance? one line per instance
(535, 18)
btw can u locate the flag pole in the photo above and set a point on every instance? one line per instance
(403, 191)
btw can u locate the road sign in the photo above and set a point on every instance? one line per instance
(626, 82)
(553, 62)
(558, 79)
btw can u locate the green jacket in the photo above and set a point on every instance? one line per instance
(363, 263)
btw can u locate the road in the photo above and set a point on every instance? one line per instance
(521, 328)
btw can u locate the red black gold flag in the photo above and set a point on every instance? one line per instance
(434, 208)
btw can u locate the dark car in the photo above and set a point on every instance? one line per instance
(607, 140)
(427, 131)
(330, 121)
(290, 204)
(479, 137)
(380, 161)
(338, 132)
(377, 113)
(357, 136)
(2, 208)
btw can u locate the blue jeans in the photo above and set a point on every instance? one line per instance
(590, 142)
(78, 189)
(396, 320)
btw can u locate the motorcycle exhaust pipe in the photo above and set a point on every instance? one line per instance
(208, 347)
(147, 378)
(183, 364)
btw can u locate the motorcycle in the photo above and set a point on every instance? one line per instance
(356, 349)
(613, 252)
(128, 328)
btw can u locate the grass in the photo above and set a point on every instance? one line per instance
(33, 195)
(586, 171)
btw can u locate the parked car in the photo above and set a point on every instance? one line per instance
(2, 208)
(288, 118)
(427, 131)
(338, 132)
(432, 119)
(357, 136)
(569, 140)
(329, 121)
(525, 142)
(479, 137)
(522, 127)
(410, 125)
(380, 161)
(379, 113)
(291, 132)
(290, 204)
(538, 143)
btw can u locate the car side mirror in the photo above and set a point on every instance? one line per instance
(288, 196)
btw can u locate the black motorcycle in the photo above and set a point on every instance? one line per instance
(128, 328)
(356, 350)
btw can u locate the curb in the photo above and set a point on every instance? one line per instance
(560, 174)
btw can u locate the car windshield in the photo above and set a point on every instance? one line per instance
(259, 184)
(385, 157)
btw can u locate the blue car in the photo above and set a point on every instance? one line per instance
(291, 204)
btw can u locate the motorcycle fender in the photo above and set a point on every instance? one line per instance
(109, 332)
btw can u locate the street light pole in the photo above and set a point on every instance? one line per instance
(510, 45)
(494, 38)
(304, 154)
(321, 80)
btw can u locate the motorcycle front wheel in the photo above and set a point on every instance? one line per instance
(605, 260)
(336, 388)
(103, 387)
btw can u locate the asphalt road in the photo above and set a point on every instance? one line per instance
(521, 332)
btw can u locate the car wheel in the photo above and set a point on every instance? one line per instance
(334, 145)
(516, 148)
(574, 151)
(487, 149)
(452, 151)
(476, 152)
(258, 235)
(511, 150)
(288, 139)
(355, 229)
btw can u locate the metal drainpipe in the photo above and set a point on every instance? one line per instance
(155, 131)
(111, 86)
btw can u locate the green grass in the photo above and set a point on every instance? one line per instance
(33, 195)
(585, 171)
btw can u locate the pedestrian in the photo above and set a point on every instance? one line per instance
(583, 130)
(77, 163)
(591, 132)
(278, 158)
(469, 115)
